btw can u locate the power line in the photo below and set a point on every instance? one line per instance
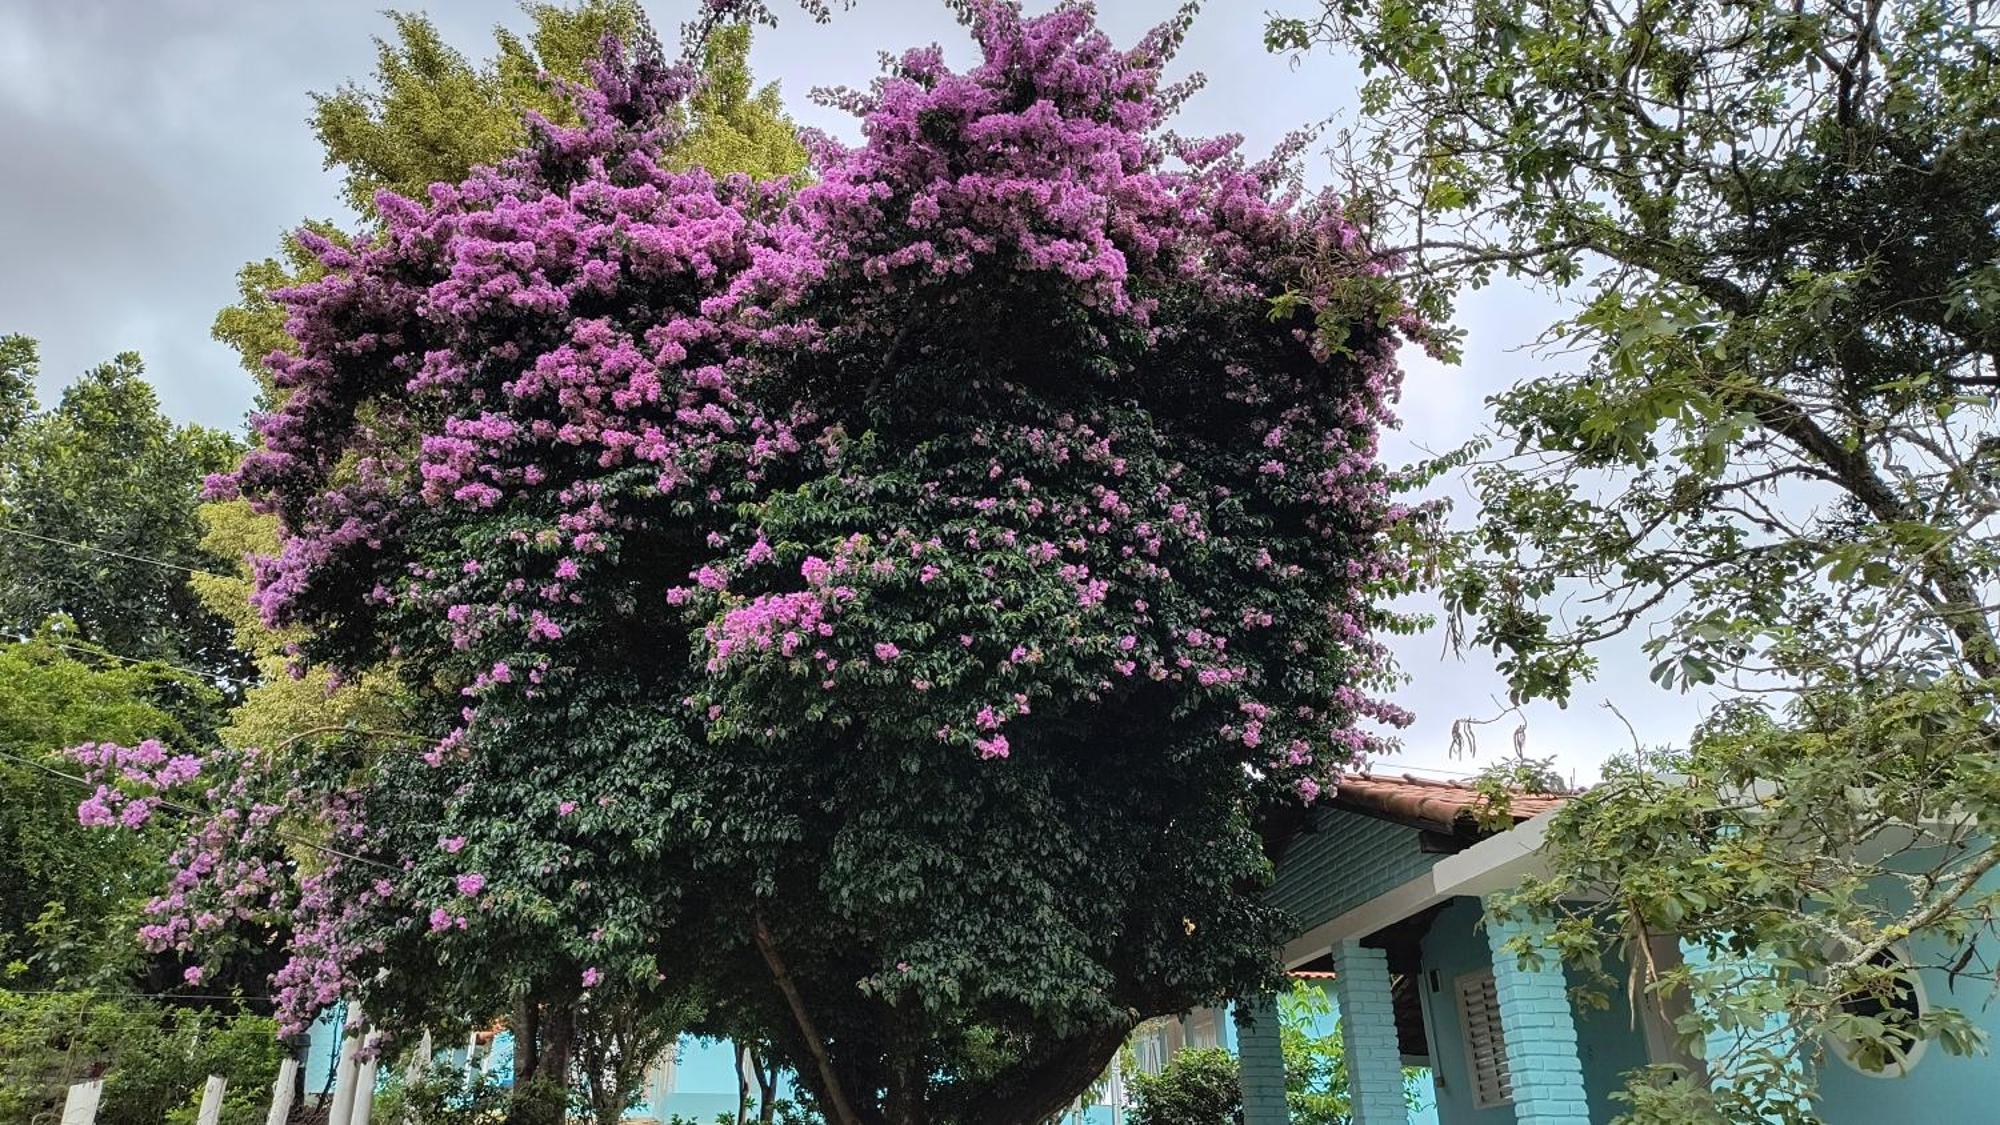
(128, 995)
(149, 559)
(185, 811)
(108, 655)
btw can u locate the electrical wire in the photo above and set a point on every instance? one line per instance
(185, 811)
(25, 638)
(149, 559)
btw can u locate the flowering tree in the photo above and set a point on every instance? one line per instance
(884, 605)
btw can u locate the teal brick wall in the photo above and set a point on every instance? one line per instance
(1368, 1023)
(1540, 1027)
(1345, 861)
(1260, 1054)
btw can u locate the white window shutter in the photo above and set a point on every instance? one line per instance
(1485, 1042)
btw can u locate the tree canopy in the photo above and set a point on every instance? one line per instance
(885, 604)
(97, 513)
(1773, 460)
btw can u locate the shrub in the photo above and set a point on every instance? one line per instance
(154, 1060)
(1199, 1087)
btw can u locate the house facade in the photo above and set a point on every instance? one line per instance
(1388, 881)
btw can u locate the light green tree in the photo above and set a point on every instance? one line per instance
(70, 897)
(1766, 449)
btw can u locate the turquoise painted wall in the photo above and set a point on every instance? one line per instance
(1608, 1044)
(1946, 1088)
(323, 1050)
(1454, 946)
(1347, 860)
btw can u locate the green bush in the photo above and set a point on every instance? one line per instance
(1199, 1087)
(446, 1095)
(154, 1060)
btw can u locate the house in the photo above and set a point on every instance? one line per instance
(1387, 880)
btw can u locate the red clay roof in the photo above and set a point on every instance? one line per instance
(1441, 806)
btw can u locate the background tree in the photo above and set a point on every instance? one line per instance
(1774, 459)
(70, 898)
(97, 514)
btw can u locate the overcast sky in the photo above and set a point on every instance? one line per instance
(153, 146)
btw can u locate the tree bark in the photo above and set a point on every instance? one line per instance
(767, 1089)
(836, 1094)
(527, 1031)
(558, 1027)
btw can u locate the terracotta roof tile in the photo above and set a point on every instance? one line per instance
(1442, 806)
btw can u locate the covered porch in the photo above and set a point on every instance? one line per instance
(1389, 880)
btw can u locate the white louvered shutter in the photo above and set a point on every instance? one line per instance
(1485, 1043)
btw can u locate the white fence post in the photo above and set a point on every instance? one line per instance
(211, 1101)
(80, 1108)
(348, 1069)
(281, 1092)
(364, 1083)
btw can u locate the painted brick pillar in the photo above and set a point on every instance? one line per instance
(1540, 1027)
(1260, 1056)
(1368, 1027)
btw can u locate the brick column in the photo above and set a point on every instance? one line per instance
(1368, 1027)
(1260, 1054)
(1540, 1027)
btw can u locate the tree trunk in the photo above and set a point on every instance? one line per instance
(908, 1077)
(527, 1029)
(558, 1043)
(767, 1089)
(836, 1094)
(1040, 1092)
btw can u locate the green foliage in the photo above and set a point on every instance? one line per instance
(1315, 1057)
(154, 1060)
(106, 469)
(450, 1096)
(1774, 460)
(19, 364)
(432, 115)
(1197, 1087)
(69, 897)
(738, 127)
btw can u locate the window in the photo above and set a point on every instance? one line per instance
(1485, 1042)
(1896, 1003)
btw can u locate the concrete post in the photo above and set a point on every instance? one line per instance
(1260, 1057)
(210, 1112)
(348, 1069)
(1543, 1065)
(364, 1082)
(1368, 1028)
(281, 1092)
(80, 1107)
